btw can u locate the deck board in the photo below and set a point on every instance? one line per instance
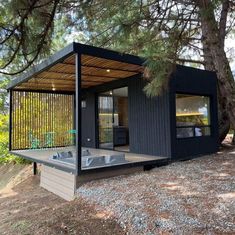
(43, 156)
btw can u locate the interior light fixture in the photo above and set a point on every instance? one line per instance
(107, 70)
(53, 88)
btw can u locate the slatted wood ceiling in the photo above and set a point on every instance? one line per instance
(95, 71)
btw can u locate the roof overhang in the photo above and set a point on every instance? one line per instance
(98, 66)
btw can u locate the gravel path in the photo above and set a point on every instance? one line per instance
(196, 196)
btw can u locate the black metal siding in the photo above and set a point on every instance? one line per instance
(88, 121)
(152, 121)
(149, 124)
(198, 82)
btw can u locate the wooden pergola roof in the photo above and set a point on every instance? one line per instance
(98, 66)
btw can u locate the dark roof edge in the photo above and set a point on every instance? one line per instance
(180, 66)
(50, 61)
(108, 54)
(82, 49)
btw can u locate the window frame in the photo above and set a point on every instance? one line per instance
(193, 126)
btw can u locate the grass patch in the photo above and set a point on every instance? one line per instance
(21, 226)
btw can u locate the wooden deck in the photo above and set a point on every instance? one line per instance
(43, 156)
(60, 178)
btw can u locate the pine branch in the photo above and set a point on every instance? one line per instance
(39, 47)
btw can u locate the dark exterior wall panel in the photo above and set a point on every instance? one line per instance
(152, 121)
(196, 82)
(149, 124)
(88, 121)
(185, 148)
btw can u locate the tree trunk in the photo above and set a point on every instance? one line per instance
(226, 82)
(233, 141)
(223, 118)
(224, 123)
(208, 61)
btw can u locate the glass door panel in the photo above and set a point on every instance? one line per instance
(106, 120)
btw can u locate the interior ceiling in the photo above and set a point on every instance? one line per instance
(95, 71)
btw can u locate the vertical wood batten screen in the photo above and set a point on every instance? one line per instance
(41, 120)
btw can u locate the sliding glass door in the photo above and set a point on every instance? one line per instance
(106, 121)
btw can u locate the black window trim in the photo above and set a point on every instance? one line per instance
(193, 126)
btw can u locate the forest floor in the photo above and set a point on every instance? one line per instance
(190, 197)
(26, 208)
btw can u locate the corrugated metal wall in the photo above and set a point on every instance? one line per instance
(41, 120)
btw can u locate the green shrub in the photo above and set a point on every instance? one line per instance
(5, 156)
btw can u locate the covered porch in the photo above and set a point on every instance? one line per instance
(47, 106)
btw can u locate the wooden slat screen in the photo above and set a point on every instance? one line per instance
(42, 120)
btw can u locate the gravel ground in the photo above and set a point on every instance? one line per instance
(196, 196)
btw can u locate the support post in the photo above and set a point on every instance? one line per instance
(34, 168)
(10, 121)
(78, 114)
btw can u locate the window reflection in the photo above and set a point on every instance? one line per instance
(192, 115)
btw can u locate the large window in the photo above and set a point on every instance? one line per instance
(192, 115)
